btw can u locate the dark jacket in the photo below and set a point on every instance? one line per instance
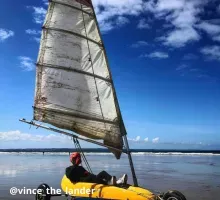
(76, 173)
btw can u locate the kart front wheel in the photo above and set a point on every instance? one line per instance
(174, 195)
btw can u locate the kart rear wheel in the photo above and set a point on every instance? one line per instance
(45, 192)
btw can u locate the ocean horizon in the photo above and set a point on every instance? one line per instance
(104, 151)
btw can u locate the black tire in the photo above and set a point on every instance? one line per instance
(174, 195)
(45, 192)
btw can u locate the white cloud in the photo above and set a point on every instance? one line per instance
(137, 139)
(19, 136)
(112, 9)
(106, 26)
(26, 63)
(46, 2)
(122, 21)
(139, 44)
(142, 24)
(163, 5)
(118, 22)
(182, 15)
(180, 37)
(211, 52)
(117, 8)
(39, 14)
(216, 38)
(5, 34)
(37, 39)
(209, 28)
(212, 28)
(32, 32)
(157, 54)
(156, 140)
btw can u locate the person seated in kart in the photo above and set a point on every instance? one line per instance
(77, 173)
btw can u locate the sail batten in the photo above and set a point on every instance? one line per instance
(73, 33)
(74, 88)
(75, 114)
(75, 70)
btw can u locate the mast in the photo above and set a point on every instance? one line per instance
(131, 162)
(122, 126)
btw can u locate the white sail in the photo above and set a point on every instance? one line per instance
(74, 89)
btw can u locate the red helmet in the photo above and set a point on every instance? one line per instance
(75, 158)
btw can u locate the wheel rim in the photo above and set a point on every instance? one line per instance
(40, 196)
(172, 198)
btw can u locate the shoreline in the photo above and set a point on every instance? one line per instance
(89, 151)
(100, 150)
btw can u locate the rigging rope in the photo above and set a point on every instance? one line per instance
(78, 147)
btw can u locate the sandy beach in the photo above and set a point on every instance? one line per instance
(196, 176)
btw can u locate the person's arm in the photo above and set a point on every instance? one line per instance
(68, 171)
(85, 172)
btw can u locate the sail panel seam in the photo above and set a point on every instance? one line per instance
(74, 70)
(73, 33)
(93, 67)
(110, 75)
(76, 115)
(71, 110)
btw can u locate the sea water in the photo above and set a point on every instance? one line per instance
(197, 176)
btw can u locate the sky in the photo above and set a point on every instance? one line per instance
(164, 56)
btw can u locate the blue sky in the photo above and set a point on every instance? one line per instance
(164, 56)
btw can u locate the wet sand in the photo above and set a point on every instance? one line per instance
(196, 176)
